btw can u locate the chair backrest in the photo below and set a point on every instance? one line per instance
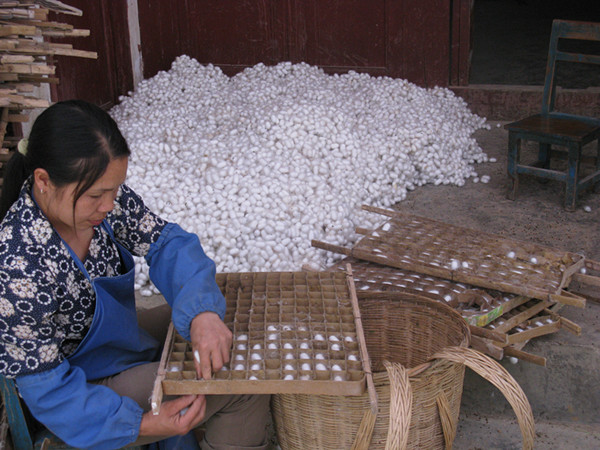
(17, 423)
(566, 29)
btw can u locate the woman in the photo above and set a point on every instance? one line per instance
(69, 333)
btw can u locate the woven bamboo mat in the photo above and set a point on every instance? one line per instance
(293, 332)
(463, 255)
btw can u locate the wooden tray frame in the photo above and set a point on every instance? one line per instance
(355, 386)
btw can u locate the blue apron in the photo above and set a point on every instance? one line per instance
(114, 341)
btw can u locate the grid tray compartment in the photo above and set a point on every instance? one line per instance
(478, 306)
(293, 332)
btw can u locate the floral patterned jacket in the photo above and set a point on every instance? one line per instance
(46, 302)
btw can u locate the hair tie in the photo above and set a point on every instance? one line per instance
(22, 146)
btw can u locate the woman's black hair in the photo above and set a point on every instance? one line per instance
(74, 141)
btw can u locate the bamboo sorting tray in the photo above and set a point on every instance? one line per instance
(293, 332)
(468, 256)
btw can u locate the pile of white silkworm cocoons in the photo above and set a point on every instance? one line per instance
(260, 163)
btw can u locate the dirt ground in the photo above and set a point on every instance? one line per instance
(537, 214)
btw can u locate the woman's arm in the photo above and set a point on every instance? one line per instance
(83, 415)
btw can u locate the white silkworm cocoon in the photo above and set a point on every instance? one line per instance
(271, 328)
(242, 337)
(272, 346)
(319, 337)
(587, 208)
(255, 367)
(304, 346)
(338, 378)
(336, 367)
(533, 260)
(513, 360)
(256, 347)
(352, 358)
(289, 376)
(321, 366)
(255, 357)
(239, 367)
(287, 345)
(304, 356)
(288, 367)
(239, 357)
(253, 377)
(306, 366)
(349, 339)
(319, 356)
(583, 270)
(289, 356)
(239, 160)
(272, 337)
(335, 347)
(241, 347)
(334, 338)
(511, 255)
(455, 264)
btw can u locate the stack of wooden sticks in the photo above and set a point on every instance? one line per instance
(26, 61)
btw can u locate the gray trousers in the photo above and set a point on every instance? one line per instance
(231, 421)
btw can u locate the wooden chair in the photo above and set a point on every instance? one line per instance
(24, 433)
(552, 128)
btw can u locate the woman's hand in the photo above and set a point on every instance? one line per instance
(176, 417)
(211, 341)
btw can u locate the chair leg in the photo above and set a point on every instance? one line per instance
(596, 187)
(514, 147)
(544, 155)
(572, 177)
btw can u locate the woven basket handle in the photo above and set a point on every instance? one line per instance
(401, 398)
(499, 377)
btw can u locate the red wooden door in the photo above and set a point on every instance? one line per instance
(102, 80)
(398, 38)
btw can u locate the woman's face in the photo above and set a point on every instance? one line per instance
(93, 205)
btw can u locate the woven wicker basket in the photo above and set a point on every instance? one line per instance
(418, 350)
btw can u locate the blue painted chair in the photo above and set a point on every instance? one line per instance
(23, 431)
(552, 129)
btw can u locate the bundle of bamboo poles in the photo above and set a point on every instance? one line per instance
(26, 60)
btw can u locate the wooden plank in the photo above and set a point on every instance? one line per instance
(534, 332)
(39, 79)
(66, 33)
(364, 354)
(486, 346)
(42, 24)
(525, 356)
(565, 323)
(492, 335)
(517, 319)
(18, 118)
(9, 30)
(10, 59)
(27, 69)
